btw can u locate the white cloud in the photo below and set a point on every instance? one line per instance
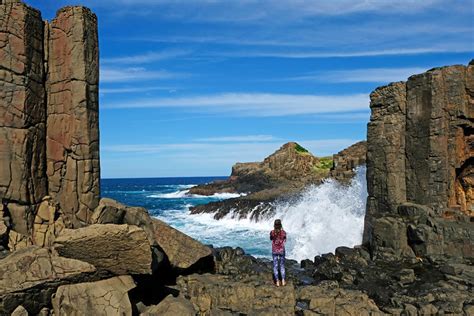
(120, 90)
(381, 75)
(256, 104)
(146, 58)
(131, 74)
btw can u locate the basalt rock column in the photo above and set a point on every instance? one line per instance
(22, 112)
(72, 113)
(420, 168)
(440, 138)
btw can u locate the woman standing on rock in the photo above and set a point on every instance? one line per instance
(278, 238)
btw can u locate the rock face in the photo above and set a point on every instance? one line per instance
(22, 112)
(72, 142)
(171, 306)
(49, 136)
(106, 297)
(118, 249)
(420, 165)
(31, 275)
(347, 160)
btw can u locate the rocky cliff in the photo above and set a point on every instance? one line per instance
(420, 166)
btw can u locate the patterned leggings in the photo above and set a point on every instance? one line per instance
(278, 266)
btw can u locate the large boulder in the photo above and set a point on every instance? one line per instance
(249, 296)
(105, 297)
(182, 251)
(112, 212)
(329, 299)
(29, 277)
(118, 249)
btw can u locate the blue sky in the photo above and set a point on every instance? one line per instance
(190, 87)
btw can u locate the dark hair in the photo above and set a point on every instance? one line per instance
(277, 224)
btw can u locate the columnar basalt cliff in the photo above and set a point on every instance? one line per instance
(420, 165)
(49, 143)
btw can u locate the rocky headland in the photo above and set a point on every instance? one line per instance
(66, 251)
(279, 178)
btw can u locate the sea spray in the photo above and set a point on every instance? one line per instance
(325, 217)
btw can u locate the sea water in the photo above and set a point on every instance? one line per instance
(322, 218)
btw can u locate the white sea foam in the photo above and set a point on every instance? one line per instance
(183, 194)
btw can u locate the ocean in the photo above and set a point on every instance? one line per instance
(322, 218)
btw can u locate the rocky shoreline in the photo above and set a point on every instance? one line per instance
(65, 251)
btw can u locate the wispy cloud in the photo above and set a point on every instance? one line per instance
(120, 90)
(112, 74)
(380, 75)
(335, 54)
(247, 10)
(241, 151)
(242, 138)
(145, 58)
(256, 104)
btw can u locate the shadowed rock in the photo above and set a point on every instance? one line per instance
(29, 277)
(106, 297)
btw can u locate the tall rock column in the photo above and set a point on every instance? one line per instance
(72, 145)
(22, 112)
(440, 139)
(386, 168)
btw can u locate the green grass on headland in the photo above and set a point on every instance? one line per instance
(323, 166)
(300, 149)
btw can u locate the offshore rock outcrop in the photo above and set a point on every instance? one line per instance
(49, 144)
(280, 177)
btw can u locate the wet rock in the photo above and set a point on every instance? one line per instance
(106, 297)
(118, 249)
(31, 275)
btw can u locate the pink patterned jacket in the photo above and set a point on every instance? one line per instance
(278, 241)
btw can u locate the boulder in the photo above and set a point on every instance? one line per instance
(105, 297)
(20, 311)
(329, 299)
(248, 296)
(112, 212)
(182, 251)
(171, 306)
(118, 249)
(29, 276)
